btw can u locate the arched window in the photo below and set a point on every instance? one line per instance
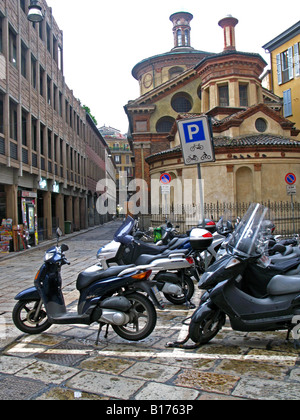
(179, 38)
(164, 124)
(186, 38)
(175, 71)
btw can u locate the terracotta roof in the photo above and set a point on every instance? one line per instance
(243, 141)
(255, 140)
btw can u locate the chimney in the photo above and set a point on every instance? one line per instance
(228, 24)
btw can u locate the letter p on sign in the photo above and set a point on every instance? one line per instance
(194, 132)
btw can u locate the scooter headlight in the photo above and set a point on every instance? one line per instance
(48, 256)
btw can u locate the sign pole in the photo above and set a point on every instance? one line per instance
(201, 221)
(291, 179)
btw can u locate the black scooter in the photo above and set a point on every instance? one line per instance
(245, 286)
(108, 297)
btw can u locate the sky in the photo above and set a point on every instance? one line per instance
(104, 40)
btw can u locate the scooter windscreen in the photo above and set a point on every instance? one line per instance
(249, 237)
(122, 235)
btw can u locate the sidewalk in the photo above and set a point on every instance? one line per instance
(64, 363)
(50, 242)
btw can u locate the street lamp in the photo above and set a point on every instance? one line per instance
(35, 13)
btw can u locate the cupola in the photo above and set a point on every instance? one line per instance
(181, 30)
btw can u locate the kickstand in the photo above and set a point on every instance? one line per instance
(101, 324)
(296, 341)
(106, 332)
(288, 336)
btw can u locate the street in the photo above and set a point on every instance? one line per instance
(63, 363)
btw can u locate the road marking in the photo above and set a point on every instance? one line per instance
(177, 353)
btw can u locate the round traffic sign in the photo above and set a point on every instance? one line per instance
(165, 179)
(290, 179)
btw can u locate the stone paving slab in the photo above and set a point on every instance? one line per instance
(64, 364)
(109, 385)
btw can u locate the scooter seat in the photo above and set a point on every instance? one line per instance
(96, 273)
(178, 242)
(283, 285)
(145, 259)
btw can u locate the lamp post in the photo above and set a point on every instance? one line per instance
(35, 13)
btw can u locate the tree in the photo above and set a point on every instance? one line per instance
(89, 112)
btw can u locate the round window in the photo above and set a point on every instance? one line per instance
(182, 102)
(261, 125)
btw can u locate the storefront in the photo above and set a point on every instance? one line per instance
(28, 222)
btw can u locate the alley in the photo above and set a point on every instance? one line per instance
(64, 363)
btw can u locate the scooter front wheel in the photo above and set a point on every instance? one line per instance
(142, 319)
(204, 331)
(30, 317)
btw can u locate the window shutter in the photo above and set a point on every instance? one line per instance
(296, 57)
(287, 103)
(291, 63)
(279, 75)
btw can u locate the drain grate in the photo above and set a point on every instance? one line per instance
(66, 354)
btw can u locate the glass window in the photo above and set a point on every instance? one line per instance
(243, 90)
(33, 72)
(182, 103)
(223, 95)
(179, 38)
(261, 125)
(165, 124)
(24, 128)
(24, 60)
(13, 48)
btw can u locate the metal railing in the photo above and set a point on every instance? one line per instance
(285, 215)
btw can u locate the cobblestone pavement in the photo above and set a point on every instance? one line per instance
(64, 363)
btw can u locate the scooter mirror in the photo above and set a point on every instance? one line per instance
(58, 232)
(64, 247)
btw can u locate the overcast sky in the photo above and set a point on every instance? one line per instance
(103, 40)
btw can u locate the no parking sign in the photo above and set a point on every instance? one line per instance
(290, 179)
(165, 179)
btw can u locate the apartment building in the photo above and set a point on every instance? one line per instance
(51, 153)
(123, 159)
(285, 70)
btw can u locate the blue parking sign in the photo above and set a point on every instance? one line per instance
(196, 140)
(193, 131)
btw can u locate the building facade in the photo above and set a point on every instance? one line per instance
(47, 139)
(122, 156)
(255, 144)
(285, 71)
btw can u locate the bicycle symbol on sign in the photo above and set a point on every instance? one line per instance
(205, 156)
(196, 159)
(198, 146)
(192, 158)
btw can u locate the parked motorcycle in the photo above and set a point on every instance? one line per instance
(243, 285)
(171, 268)
(109, 297)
